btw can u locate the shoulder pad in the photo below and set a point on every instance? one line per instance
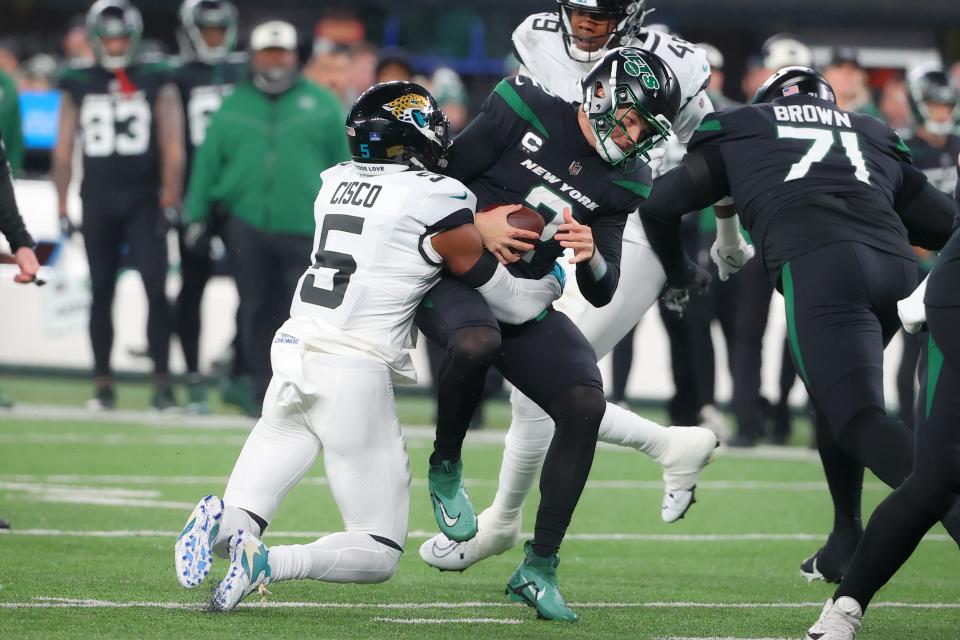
(525, 96)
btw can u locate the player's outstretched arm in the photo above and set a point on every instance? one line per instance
(512, 300)
(929, 214)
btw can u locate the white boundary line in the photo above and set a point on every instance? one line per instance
(448, 620)
(76, 603)
(423, 535)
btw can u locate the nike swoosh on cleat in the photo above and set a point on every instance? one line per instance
(447, 520)
(815, 636)
(463, 197)
(442, 552)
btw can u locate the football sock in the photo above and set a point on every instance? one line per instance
(525, 447)
(349, 556)
(625, 428)
(893, 533)
(460, 382)
(577, 414)
(844, 475)
(234, 518)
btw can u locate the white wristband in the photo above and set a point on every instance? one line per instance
(728, 231)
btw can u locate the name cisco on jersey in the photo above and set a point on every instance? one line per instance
(360, 194)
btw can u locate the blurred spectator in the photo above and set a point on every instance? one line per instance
(448, 89)
(10, 121)
(717, 77)
(76, 46)
(394, 64)
(329, 67)
(849, 82)
(262, 157)
(9, 61)
(132, 146)
(751, 410)
(894, 106)
(38, 73)
(340, 26)
(208, 70)
(955, 73)
(363, 68)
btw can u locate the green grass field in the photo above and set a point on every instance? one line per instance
(95, 504)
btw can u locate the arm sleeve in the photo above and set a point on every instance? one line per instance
(696, 184)
(598, 277)
(512, 300)
(928, 214)
(11, 126)
(692, 115)
(11, 224)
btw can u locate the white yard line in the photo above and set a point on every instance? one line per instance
(71, 603)
(627, 485)
(412, 432)
(423, 535)
(448, 620)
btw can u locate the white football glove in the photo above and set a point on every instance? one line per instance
(655, 161)
(912, 311)
(730, 251)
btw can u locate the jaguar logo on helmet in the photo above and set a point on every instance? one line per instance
(412, 108)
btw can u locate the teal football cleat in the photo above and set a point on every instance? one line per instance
(535, 583)
(249, 571)
(452, 508)
(192, 553)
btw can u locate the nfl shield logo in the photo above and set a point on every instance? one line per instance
(575, 168)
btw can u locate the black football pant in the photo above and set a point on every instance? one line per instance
(933, 487)
(195, 270)
(266, 267)
(841, 306)
(752, 308)
(134, 237)
(548, 360)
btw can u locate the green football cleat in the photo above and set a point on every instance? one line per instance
(535, 583)
(452, 508)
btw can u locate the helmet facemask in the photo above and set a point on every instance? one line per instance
(197, 15)
(606, 123)
(929, 86)
(627, 23)
(114, 20)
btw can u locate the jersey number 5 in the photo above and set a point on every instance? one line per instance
(823, 140)
(344, 263)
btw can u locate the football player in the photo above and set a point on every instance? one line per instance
(582, 168)
(833, 205)
(933, 487)
(558, 49)
(130, 122)
(208, 71)
(386, 224)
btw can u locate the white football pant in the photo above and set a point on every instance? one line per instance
(345, 408)
(641, 280)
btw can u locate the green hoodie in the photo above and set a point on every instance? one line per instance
(10, 121)
(263, 155)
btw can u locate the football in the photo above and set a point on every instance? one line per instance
(525, 218)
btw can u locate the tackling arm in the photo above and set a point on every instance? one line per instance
(928, 214)
(512, 300)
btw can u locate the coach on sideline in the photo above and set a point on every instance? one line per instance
(13, 229)
(262, 157)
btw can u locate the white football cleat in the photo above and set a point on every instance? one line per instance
(689, 450)
(839, 620)
(493, 538)
(249, 571)
(192, 553)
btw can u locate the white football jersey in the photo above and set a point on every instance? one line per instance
(373, 261)
(538, 43)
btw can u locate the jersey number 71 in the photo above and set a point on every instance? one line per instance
(823, 140)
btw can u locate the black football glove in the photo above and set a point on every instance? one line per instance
(196, 238)
(676, 295)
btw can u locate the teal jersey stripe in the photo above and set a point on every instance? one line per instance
(789, 298)
(638, 188)
(934, 365)
(506, 91)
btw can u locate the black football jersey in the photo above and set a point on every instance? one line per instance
(534, 153)
(118, 133)
(202, 89)
(938, 164)
(804, 173)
